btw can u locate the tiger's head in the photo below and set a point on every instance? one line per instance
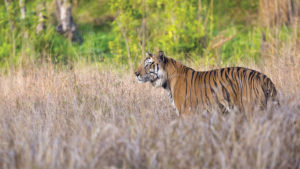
(153, 70)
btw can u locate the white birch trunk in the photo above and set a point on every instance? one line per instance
(22, 9)
(66, 25)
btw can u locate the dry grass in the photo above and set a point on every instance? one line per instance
(96, 118)
(91, 118)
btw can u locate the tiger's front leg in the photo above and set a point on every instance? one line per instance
(182, 106)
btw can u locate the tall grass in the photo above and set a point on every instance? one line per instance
(91, 117)
(98, 117)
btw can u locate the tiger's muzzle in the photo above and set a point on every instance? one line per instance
(148, 77)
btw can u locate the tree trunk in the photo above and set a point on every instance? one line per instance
(41, 12)
(199, 11)
(22, 9)
(9, 9)
(66, 26)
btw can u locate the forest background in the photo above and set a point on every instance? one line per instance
(216, 32)
(69, 98)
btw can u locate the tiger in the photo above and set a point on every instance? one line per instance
(222, 90)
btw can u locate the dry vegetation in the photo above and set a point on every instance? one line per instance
(95, 118)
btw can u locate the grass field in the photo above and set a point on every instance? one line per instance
(92, 117)
(70, 105)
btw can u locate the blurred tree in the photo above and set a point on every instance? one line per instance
(278, 12)
(10, 12)
(22, 9)
(41, 13)
(66, 24)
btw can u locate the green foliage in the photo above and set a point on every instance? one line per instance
(96, 44)
(210, 32)
(24, 41)
(185, 29)
(150, 24)
(245, 46)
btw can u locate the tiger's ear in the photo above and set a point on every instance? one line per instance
(148, 54)
(161, 57)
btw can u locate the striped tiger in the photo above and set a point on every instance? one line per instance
(225, 89)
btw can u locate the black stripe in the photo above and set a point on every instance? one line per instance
(258, 76)
(245, 80)
(222, 70)
(253, 82)
(200, 87)
(185, 86)
(244, 71)
(192, 78)
(191, 86)
(232, 72)
(251, 75)
(264, 76)
(223, 73)
(212, 88)
(226, 75)
(214, 95)
(215, 73)
(240, 82)
(206, 88)
(233, 79)
(196, 77)
(225, 93)
(214, 79)
(231, 84)
(185, 90)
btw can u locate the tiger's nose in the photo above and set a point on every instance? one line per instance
(137, 73)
